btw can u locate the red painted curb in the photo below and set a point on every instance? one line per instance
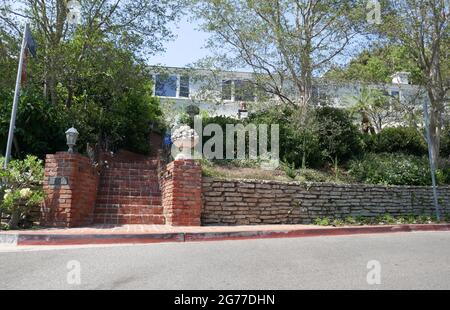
(59, 239)
(313, 232)
(56, 239)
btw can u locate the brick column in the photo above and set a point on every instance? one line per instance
(70, 186)
(181, 193)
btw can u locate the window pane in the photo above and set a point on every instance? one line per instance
(184, 86)
(166, 85)
(226, 90)
(395, 94)
(244, 91)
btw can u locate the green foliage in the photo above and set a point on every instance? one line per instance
(400, 139)
(40, 126)
(338, 138)
(322, 221)
(445, 142)
(289, 169)
(310, 138)
(21, 187)
(298, 138)
(393, 169)
(106, 94)
(385, 219)
(377, 65)
(222, 121)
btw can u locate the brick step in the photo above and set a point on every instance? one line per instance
(128, 184)
(129, 200)
(123, 219)
(124, 176)
(146, 169)
(128, 209)
(133, 165)
(144, 192)
(128, 178)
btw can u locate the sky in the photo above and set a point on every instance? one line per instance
(185, 49)
(188, 46)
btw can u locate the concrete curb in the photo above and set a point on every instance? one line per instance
(9, 239)
(27, 239)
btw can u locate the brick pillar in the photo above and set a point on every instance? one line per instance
(70, 186)
(181, 193)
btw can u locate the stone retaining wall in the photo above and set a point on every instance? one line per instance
(248, 202)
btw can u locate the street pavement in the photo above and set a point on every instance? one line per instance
(419, 260)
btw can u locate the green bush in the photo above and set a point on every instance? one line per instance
(106, 95)
(40, 126)
(393, 169)
(400, 139)
(289, 169)
(339, 139)
(21, 188)
(445, 143)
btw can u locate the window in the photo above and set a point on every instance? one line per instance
(395, 94)
(244, 90)
(184, 86)
(166, 85)
(226, 90)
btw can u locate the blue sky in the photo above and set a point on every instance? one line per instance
(186, 48)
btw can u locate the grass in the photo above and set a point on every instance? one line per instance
(251, 169)
(386, 219)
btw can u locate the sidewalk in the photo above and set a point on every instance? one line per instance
(126, 234)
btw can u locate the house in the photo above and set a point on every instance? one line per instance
(230, 93)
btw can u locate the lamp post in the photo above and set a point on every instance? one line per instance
(71, 136)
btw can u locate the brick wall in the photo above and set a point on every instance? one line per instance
(181, 183)
(233, 202)
(70, 186)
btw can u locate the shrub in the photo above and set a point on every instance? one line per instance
(289, 169)
(339, 139)
(222, 121)
(322, 221)
(445, 143)
(400, 139)
(22, 188)
(298, 136)
(393, 169)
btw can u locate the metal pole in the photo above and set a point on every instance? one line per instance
(12, 124)
(431, 159)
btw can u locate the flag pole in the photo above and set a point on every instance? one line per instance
(12, 124)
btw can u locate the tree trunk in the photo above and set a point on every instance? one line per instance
(435, 133)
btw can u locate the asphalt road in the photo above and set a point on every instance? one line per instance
(406, 261)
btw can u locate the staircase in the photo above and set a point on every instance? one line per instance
(129, 192)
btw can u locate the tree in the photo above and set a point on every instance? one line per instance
(376, 65)
(111, 105)
(284, 42)
(339, 139)
(92, 76)
(376, 108)
(422, 27)
(138, 26)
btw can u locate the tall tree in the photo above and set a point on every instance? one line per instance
(139, 26)
(284, 42)
(422, 27)
(376, 65)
